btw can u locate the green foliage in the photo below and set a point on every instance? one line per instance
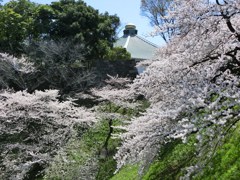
(82, 23)
(213, 97)
(42, 22)
(13, 30)
(22, 21)
(17, 24)
(236, 108)
(172, 158)
(117, 53)
(225, 164)
(129, 172)
(107, 167)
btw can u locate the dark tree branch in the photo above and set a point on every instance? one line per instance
(228, 21)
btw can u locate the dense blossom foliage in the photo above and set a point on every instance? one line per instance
(33, 127)
(198, 71)
(116, 91)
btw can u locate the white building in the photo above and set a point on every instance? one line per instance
(138, 47)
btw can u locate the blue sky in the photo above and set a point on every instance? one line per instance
(127, 10)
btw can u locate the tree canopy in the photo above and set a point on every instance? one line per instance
(13, 29)
(74, 19)
(23, 22)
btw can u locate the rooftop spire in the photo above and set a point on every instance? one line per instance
(130, 30)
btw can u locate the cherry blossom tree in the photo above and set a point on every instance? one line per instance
(197, 71)
(33, 127)
(116, 90)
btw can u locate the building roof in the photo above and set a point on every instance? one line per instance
(139, 47)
